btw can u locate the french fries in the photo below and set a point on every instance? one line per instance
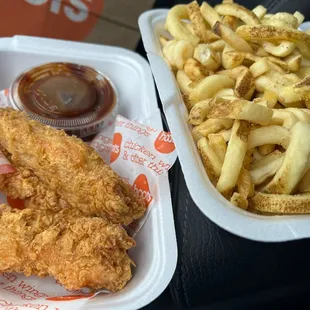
(209, 86)
(199, 26)
(175, 26)
(233, 9)
(245, 79)
(242, 110)
(236, 150)
(231, 38)
(266, 32)
(294, 163)
(281, 204)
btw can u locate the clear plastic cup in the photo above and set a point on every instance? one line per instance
(75, 98)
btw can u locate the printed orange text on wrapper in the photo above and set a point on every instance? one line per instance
(61, 19)
(116, 148)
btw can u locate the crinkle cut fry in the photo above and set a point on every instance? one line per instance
(77, 251)
(69, 167)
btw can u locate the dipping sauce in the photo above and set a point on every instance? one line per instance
(76, 98)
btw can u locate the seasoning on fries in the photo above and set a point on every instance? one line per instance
(245, 78)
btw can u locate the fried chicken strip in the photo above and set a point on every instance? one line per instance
(77, 251)
(24, 185)
(69, 167)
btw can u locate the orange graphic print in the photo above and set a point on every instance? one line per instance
(116, 150)
(164, 143)
(61, 19)
(141, 187)
(70, 298)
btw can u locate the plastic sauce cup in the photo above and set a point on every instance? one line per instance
(72, 97)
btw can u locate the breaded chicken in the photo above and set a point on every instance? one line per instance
(77, 251)
(69, 167)
(24, 185)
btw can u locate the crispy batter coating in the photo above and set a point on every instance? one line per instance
(77, 251)
(69, 167)
(23, 184)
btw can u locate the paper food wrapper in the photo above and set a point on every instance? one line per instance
(138, 153)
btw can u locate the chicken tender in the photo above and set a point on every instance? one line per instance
(69, 167)
(24, 185)
(77, 251)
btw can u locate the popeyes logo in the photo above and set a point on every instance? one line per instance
(63, 19)
(141, 187)
(164, 143)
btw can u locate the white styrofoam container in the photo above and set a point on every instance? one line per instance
(156, 250)
(207, 198)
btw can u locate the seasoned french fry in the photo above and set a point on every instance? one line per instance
(302, 114)
(266, 149)
(213, 126)
(231, 38)
(284, 118)
(239, 201)
(196, 135)
(236, 150)
(283, 19)
(304, 184)
(210, 161)
(271, 98)
(209, 14)
(230, 58)
(218, 144)
(175, 26)
(195, 70)
(230, 22)
(189, 27)
(260, 67)
(294, 163)
(242, 110)
(200, 111)
(290, 94)
(199, 25)
(177, 52)
(293, 61)
(226, 134)
(218, 45)
(280, 63)
(209, 86)
(207, 57)
(244, 87)
(225, 92)
(292, 77)
(300, 18)
(244, 184)
(284, 49)
(281, 204)
(264, 83)
(260, 11)
(233, 73)
(269, 135)
(266, 32)
(233, 9)
(184, 82)
(266, 167)
(261, 52)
